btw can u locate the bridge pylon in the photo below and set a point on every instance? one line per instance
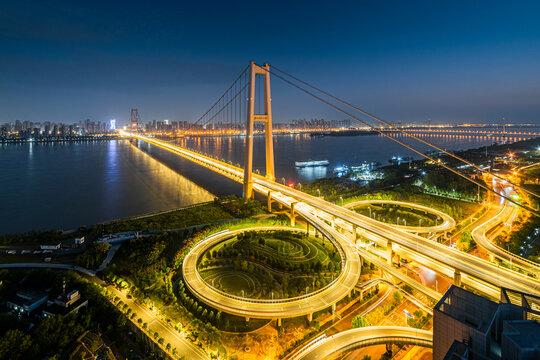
(134, 121)
(252, 117)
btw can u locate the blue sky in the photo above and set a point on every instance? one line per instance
(409, 61)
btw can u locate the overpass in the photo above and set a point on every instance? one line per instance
(349, 340)
(277, 308)
(447, 222)
(477, 273)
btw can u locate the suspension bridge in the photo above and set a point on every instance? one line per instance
(243, 109)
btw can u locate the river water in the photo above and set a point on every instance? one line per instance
(66, 185)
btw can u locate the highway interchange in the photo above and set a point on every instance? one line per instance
(344, 226)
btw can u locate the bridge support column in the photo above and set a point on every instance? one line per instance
(389, 253)
(310, 317)
(247, 318)
(334, 307)
(248, 152)
(354, 233)
(457, 278)
(389, 349)
(333, 222)
(269, 201)
(279, 322)
(293, 223)
(255, 70)
(361, 295)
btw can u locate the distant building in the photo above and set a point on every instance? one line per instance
(79, 241)
(65, 304)
(468, 326)
(26, 301)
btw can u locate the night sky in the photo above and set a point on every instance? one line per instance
(409, 61)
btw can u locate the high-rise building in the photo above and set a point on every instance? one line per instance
(468, 326)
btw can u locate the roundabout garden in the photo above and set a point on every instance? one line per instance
(270, 264)
(408, 216)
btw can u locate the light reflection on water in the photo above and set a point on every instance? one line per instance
(67, 185)
(339, 150)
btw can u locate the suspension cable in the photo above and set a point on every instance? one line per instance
(406, 145)
(405, 132)
(217, 102)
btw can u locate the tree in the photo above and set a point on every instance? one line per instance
(397, 297)
(466, 242)
(168, 347)
(366, 357)
(359, 321)
(161, 341)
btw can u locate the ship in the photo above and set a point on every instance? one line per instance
(311, 163)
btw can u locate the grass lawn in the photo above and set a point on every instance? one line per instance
(270, 264)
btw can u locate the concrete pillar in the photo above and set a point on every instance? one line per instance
(361, 295)
(269, 201)
(457, 278)
(389, 253)
(310, 317)
(269, 141)
(333, 222)
(307, 228)
(354, 233)
(279, 322)
(248, 152)
(247, 318)
(292, 215)
(334, 307)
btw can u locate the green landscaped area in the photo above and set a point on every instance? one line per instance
(270, 264)
(396, 214)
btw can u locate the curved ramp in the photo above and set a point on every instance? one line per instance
(447, 223)
(367, 336)
(270, 309)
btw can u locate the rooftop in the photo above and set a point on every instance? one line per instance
(468, 308)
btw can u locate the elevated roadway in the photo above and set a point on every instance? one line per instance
(349, 340)
(505, 214)
(266, 308)
(478, 273)
(447, 222)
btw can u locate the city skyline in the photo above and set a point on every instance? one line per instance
(450, 63)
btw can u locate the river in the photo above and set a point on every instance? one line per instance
(66, 185)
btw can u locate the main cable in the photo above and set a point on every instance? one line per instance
(217, 102)
(406, 145)
(404, 132)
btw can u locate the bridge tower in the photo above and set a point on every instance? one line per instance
(263, 71)
(134, 125)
